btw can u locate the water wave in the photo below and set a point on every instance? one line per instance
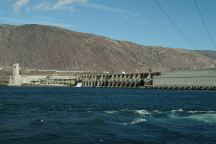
(142, 112)
(135, 121)
(146, 112)
(139, 112)
(206, 118)
(178, 110)
(110, 112)
(200, 111)
(191, 111)
(142, 115)
(198, 115)
(138, 120)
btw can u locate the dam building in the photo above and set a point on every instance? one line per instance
(39, 80)
(19, 80)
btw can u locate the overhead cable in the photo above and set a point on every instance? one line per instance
(174, 24)
(204, 24)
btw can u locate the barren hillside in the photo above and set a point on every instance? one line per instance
(48, 47)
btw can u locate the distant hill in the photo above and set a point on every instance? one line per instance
(49, 47)
(208, 53)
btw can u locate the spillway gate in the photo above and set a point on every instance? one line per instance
(132, 80)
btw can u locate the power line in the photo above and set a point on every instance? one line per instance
(174, 24)
(204, 24)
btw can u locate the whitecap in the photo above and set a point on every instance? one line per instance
(191, 111)
(111, 112)
(201, 116)
(123, 110)
(156, 111)
(206, 118)
(142, 112)
(124, 123)
(178, 110)
(137, 120)
(199, 111)
(134, 122)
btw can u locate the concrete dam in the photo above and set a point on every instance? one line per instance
(191, 80)
(132, 80)
(199, 79)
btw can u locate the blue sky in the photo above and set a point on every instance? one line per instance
(139, 21)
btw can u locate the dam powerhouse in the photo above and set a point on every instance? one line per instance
(196, 79)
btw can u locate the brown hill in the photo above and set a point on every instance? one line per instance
(48, 47)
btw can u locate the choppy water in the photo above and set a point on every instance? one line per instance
(109, 116)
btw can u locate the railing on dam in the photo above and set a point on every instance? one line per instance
(117, 80)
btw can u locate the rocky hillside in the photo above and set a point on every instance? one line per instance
(48, 47)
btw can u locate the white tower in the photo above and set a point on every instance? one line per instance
(15, 80)
(16, 69)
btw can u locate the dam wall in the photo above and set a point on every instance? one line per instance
(132, 80)
(202, 79)
(205, 79)
(188, 80)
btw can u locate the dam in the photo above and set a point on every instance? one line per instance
(191, 80)
(132, 80)
(199, 79)
(185, 80)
